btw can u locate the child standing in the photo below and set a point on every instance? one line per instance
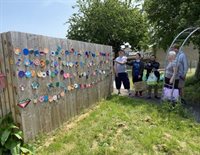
(137, 73)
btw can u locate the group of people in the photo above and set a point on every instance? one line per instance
(175, 72)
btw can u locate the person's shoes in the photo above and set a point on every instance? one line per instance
(136, 94)
(119, 93)
(140, 94)
(129, 94)
(157, 97)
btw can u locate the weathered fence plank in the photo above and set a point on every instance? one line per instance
(72, 76)
(2, 91)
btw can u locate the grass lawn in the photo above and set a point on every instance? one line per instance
(125, 126)
(192, 88)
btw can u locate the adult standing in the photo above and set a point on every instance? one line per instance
(153, 66)
(121, 76)
(137, 73)
(183, 68)
(171, 71)
(171, 77)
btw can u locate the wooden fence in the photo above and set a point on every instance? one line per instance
(46, 81)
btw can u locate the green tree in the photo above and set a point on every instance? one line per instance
(168, 17)
(109, 22)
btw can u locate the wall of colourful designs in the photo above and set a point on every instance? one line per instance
(46, 81)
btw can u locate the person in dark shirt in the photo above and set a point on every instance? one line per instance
(137, 73)
(153, 66)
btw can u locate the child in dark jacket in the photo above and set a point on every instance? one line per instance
(137, 73)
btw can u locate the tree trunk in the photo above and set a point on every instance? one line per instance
(197, 73)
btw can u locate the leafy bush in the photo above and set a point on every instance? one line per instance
(175, 108)
(192, 89)
(11, 141)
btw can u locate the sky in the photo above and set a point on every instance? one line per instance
(44, 17)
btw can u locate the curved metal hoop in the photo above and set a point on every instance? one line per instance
(185, 40)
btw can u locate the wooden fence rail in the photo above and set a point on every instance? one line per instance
(46, 81)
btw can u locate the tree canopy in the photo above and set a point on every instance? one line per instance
(167, 18)
(109, 22)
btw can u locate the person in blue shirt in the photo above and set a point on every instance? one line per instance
(183, 67)
(137, 73)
